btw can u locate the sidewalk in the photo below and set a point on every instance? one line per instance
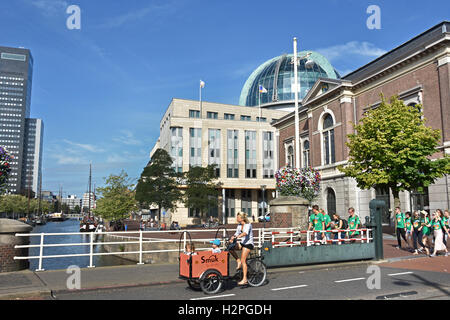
(29, 284)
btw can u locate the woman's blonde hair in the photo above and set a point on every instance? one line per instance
(243, 217)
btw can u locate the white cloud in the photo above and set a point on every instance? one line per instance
(68, 160)
(87, 147)
(127, 138)
(51, 7)
(365, 49)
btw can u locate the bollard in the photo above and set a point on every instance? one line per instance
(376, 211)
(8, 240)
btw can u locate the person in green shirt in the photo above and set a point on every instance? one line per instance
(327, 223)
(316, 223)
(400, 227)
(439, 228)
(409, 228)
(446, 220)
(416, 222)
(353, 223)
(425, 224)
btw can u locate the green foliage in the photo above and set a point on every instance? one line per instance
(393, 147)
(157, 184)
(201, 189)
(117, 198)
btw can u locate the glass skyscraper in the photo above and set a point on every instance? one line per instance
(16, 74)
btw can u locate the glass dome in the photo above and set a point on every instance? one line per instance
(277, 77)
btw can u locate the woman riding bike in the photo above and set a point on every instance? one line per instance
(244, 230)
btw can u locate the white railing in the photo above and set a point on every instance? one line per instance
(137, 237)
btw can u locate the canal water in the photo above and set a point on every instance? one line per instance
(63, 263)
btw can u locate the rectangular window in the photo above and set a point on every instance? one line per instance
(261, 119)
(268, 155)
(13, 56)
(194, 213)
(176, 147)
(250, 154)
(230, 203)
(214, 149)
(229, 116)
(195, 144)
(212, 115)
(194, 114)
(232, 154)
(246, 118)
(246, 201)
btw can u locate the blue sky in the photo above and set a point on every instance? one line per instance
(102, 90)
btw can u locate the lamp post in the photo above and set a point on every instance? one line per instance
(308, 64)
(263, 205)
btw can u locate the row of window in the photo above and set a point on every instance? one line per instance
(11, 83)
(11, 78)
(11, 99)
(214, 154)
(11, 93)
(227, 116)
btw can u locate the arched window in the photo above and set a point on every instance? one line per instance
(331, 202)
(306, 160)
(290, 157)
(328, 140)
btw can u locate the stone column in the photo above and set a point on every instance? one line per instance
(289, 212)
(8, 229)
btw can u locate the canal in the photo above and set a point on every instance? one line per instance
(63, 263)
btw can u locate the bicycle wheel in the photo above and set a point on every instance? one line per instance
(194, 285)
(256, 273)
(212, 282)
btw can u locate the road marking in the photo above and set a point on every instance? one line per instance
(213, 297)
(399, 274)
(293, 287)
(348, 280)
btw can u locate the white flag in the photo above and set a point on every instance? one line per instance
(202, 84)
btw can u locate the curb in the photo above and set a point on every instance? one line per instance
(26, 295)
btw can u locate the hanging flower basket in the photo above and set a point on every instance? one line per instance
(303, 182)
(5, 168)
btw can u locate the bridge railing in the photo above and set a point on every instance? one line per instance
(277, 236)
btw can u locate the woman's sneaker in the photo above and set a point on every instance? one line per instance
(415, 252)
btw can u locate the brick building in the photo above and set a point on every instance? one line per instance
(418, 71)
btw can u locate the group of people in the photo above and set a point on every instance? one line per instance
(429, 231)
(320, 221)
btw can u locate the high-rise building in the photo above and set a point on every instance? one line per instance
(86, 201)
(16, 74)
(72, 201)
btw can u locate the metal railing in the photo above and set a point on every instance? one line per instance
(137, 237)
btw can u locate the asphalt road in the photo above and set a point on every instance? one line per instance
(340, 283)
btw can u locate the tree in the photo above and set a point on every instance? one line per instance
(117, 198)
(392, 147)
(201, 190)
(5, 168)
(77, 209)
(13, 204)
(157, 184)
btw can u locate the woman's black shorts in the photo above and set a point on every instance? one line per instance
(248, 246)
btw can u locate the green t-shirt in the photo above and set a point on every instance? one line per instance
(400, 220)
(436, 225)
(424, 222)
(353, 222)
(415, 223)
(327, 220)
(316, 220)
(445, 222)
(408, 224)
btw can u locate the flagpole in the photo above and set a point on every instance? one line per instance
(201, 99)
(297, 129)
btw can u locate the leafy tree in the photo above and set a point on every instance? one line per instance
(77, 209)
(157, 184)
(13, 204)
(392, 147)
(201, 189)
(117, 198)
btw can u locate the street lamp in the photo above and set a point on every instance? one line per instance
(263, 204)
(309, 63)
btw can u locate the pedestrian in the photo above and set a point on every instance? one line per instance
(400, 228)
(354, 223)
(244, 230)
(439, 228)
(417, 233)
(316, 223)
(409, 228)
(446, 221)
(327, 224)
(425, 223)
(338, 225)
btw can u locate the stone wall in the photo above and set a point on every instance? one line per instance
(8, 240)
(289, 212)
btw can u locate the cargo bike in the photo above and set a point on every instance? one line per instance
(208, 271)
